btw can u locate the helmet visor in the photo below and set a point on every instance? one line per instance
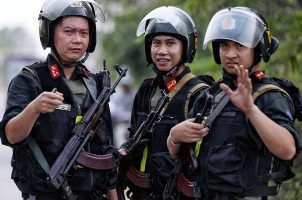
(236, 25)
(52, 9)
(173, 15)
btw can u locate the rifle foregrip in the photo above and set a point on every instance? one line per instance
(192, 157)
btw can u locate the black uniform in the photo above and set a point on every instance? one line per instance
(53, 130)
(234, 162)
(158, 160)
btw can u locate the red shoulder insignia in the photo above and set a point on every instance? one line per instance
(259, 74)
(54, 71)
(171, 84)
(85, 72)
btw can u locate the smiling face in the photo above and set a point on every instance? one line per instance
(71, 38)
(232, 53)
(166, 52)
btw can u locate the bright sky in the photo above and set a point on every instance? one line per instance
(16, 13)
(22, 13)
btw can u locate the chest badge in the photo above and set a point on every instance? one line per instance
(64, 106)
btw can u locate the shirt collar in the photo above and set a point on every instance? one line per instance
(56, 70)
(158, 80)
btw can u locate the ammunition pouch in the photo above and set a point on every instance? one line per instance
(97, 162)
(188, 188)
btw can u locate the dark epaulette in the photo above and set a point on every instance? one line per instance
(209, 80)
(38, 64)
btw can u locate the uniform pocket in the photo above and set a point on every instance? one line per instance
(226, 167)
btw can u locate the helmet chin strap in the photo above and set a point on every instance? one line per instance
(167, 73)
(71, 64)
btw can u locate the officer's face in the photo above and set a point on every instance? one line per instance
(166, 52)
(71, 38)
(232, 53)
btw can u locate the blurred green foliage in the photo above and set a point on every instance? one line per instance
(117, 43)
(283, 16)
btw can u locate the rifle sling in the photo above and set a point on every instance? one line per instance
(138, 178)
(97, 162)
(178, 86)
(222, 102)
(171, 182)
(91, 85)
(35, 149)
(93, 161)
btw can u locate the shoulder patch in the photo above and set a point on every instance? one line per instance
(54, 71)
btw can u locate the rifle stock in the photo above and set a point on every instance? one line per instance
(82, 133)
(187, 150)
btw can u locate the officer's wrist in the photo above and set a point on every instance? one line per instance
(172, 141)
(252, 111)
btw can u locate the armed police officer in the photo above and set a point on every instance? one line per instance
(170, 42)
(247, 146)
(45, 100)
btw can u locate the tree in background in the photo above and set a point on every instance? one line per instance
(284, 17)
(16, 50)
(118, 44)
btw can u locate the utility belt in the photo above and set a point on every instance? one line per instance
(190, 189)
(256, 191)
(138, 178)
(95, 195)
(264, 186)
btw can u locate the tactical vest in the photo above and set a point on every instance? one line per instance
(239, 162)
(174, 113)
(154, 162)
(158, 160)
(53, 136)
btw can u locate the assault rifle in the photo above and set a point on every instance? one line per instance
(82, 133)
(126, 170)
(187, 158)
(187, 150)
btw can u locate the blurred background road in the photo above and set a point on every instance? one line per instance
(19, 46)
(8, 189)
(20, 40)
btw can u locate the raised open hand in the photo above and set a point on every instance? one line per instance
(242, 96)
